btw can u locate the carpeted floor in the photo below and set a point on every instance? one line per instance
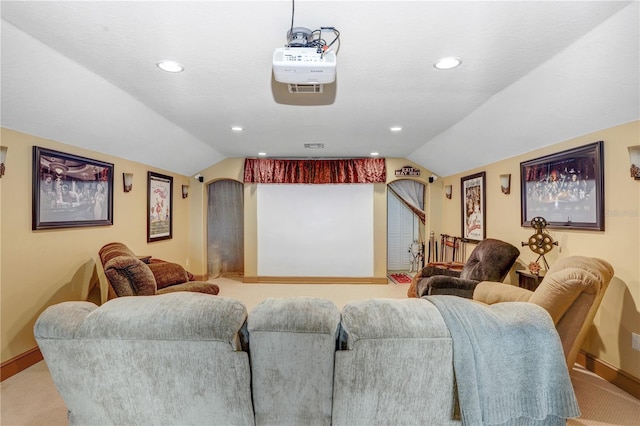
(30, 398)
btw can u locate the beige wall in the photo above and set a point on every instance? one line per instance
(40, 268)
(619, 314)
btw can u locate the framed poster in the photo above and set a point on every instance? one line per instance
(472, 188)
(159, 207)
(566, 188)
(70, 191)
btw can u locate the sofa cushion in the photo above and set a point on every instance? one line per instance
(295, 315)
(168, 273)
(151, 261)
(129, 276)
(390, 319)
(177, 316)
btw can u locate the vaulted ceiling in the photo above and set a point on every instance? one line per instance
(534, 73)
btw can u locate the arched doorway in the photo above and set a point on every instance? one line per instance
(405, 225)
(225, 228)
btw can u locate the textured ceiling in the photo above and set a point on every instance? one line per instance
(534, 73)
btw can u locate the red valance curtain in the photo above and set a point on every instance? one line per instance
(353, 170)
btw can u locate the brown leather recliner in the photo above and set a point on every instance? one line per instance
(130, 276)
(491, 260)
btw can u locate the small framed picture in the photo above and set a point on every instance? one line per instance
(472, 188)
(70, 191)
(565, 188)
(159, 207)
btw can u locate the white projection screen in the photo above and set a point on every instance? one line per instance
(315, 230)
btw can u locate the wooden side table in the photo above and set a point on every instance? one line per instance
(528, 280)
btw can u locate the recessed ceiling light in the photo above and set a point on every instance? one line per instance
(237, 128)
(447, 63)
(395, 128)
(170, 66)
(375, 154)
(262, 154)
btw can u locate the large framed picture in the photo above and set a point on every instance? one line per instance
(566, 188)
(159, 207)
(472, 188)
(70, 191)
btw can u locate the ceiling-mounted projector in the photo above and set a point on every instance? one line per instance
(304, 65)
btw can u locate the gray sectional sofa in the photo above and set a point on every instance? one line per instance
(188, 358)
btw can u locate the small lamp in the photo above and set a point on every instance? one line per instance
(3, 157)
(185, 191)
(127, 178)
(634, 159)
(448, 189)
(505, 183)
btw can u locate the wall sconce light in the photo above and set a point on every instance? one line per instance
(127, 179)
(448, 189)
(634, 159)
(185, 191)
(505, 183)
(3, 157)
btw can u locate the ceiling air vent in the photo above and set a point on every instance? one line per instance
(305, 88)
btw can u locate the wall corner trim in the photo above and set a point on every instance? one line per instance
(21, 362)
(611, 374)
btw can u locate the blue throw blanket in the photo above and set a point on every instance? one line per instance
(508, 363)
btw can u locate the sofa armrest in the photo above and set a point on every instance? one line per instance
(61, 321)
(442, 284)
(130, 277)
(451, 269)
(491, 292)
(193, 286)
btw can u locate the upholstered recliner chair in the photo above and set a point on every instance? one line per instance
(571, 292)
(491, 260)
(171, 359)
(130, 276)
